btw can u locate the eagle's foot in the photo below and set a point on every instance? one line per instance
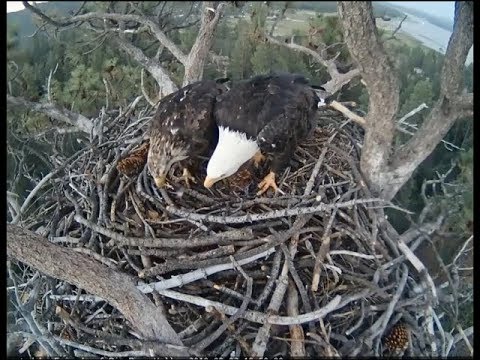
(187, 177)
(258, 158)
(268, 182)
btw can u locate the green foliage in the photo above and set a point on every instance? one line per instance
(264, 60)
(243, 48)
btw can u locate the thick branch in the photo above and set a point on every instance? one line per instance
(362, 39)
(82, 271)
(159, 34)
(77, 120)
(199, 53)
(337, 79)
(152, 66)
(451, 105)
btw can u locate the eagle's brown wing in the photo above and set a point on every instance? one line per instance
(186, 116)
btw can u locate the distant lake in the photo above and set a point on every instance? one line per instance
(432, 36)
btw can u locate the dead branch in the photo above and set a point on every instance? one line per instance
(258, 317)
(348, 113)
(296, 331)
(279, 17)
(152, 66)
(78, 269)
(267, 215)
(396, 29)
(338, 80)
(77, 120)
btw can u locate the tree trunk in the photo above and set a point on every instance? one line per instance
(88, 274)
(387, 170)
(199, 53)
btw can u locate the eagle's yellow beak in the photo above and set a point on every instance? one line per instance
(208, 183)
(160, 181)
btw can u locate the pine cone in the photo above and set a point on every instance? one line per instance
(134, 162)
(397, 340)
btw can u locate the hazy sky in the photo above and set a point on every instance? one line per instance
(439, 8)
(16, 6)
(445, 9)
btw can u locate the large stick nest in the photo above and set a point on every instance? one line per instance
(259, 255)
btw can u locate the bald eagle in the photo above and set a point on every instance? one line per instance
(183, 128)
(265, 115)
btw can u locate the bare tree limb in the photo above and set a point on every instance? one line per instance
(152, 66)
(279, 17)
(199, 52)
(337, 79)
(77, 120)
(396, 29)
(159, 34)
(80, 270)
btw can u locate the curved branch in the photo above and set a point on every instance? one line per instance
(159, 34)
(82, 271)
(338, 80)
(61, 114)
(152, 66)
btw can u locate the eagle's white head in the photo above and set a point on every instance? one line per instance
(232, 151)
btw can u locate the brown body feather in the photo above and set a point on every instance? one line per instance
(183, 127)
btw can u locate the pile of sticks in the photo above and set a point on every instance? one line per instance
(315, 271)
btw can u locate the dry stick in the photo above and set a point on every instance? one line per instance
(296, 278)
(379, 326)
(359, 322)
(259, 317)
(32, 194)
(463, 335)
(442, 333)
(180, 280)
(188, 215)
(163, 268)
(450, 280)
(208, 340)
(322, 252)
(260, 343)
(271, 279)
(418, 265)
(28, 317)
(296, 331)
(349, 114)
(226, 237)
(229, 291)
(117, 288)
(174, 281)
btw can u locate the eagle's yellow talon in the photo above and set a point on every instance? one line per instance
(187, 177)
(268, 182)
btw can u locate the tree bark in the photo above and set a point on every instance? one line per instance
(199, 53)
(387, 170)
(360, 34)
(88, 274)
